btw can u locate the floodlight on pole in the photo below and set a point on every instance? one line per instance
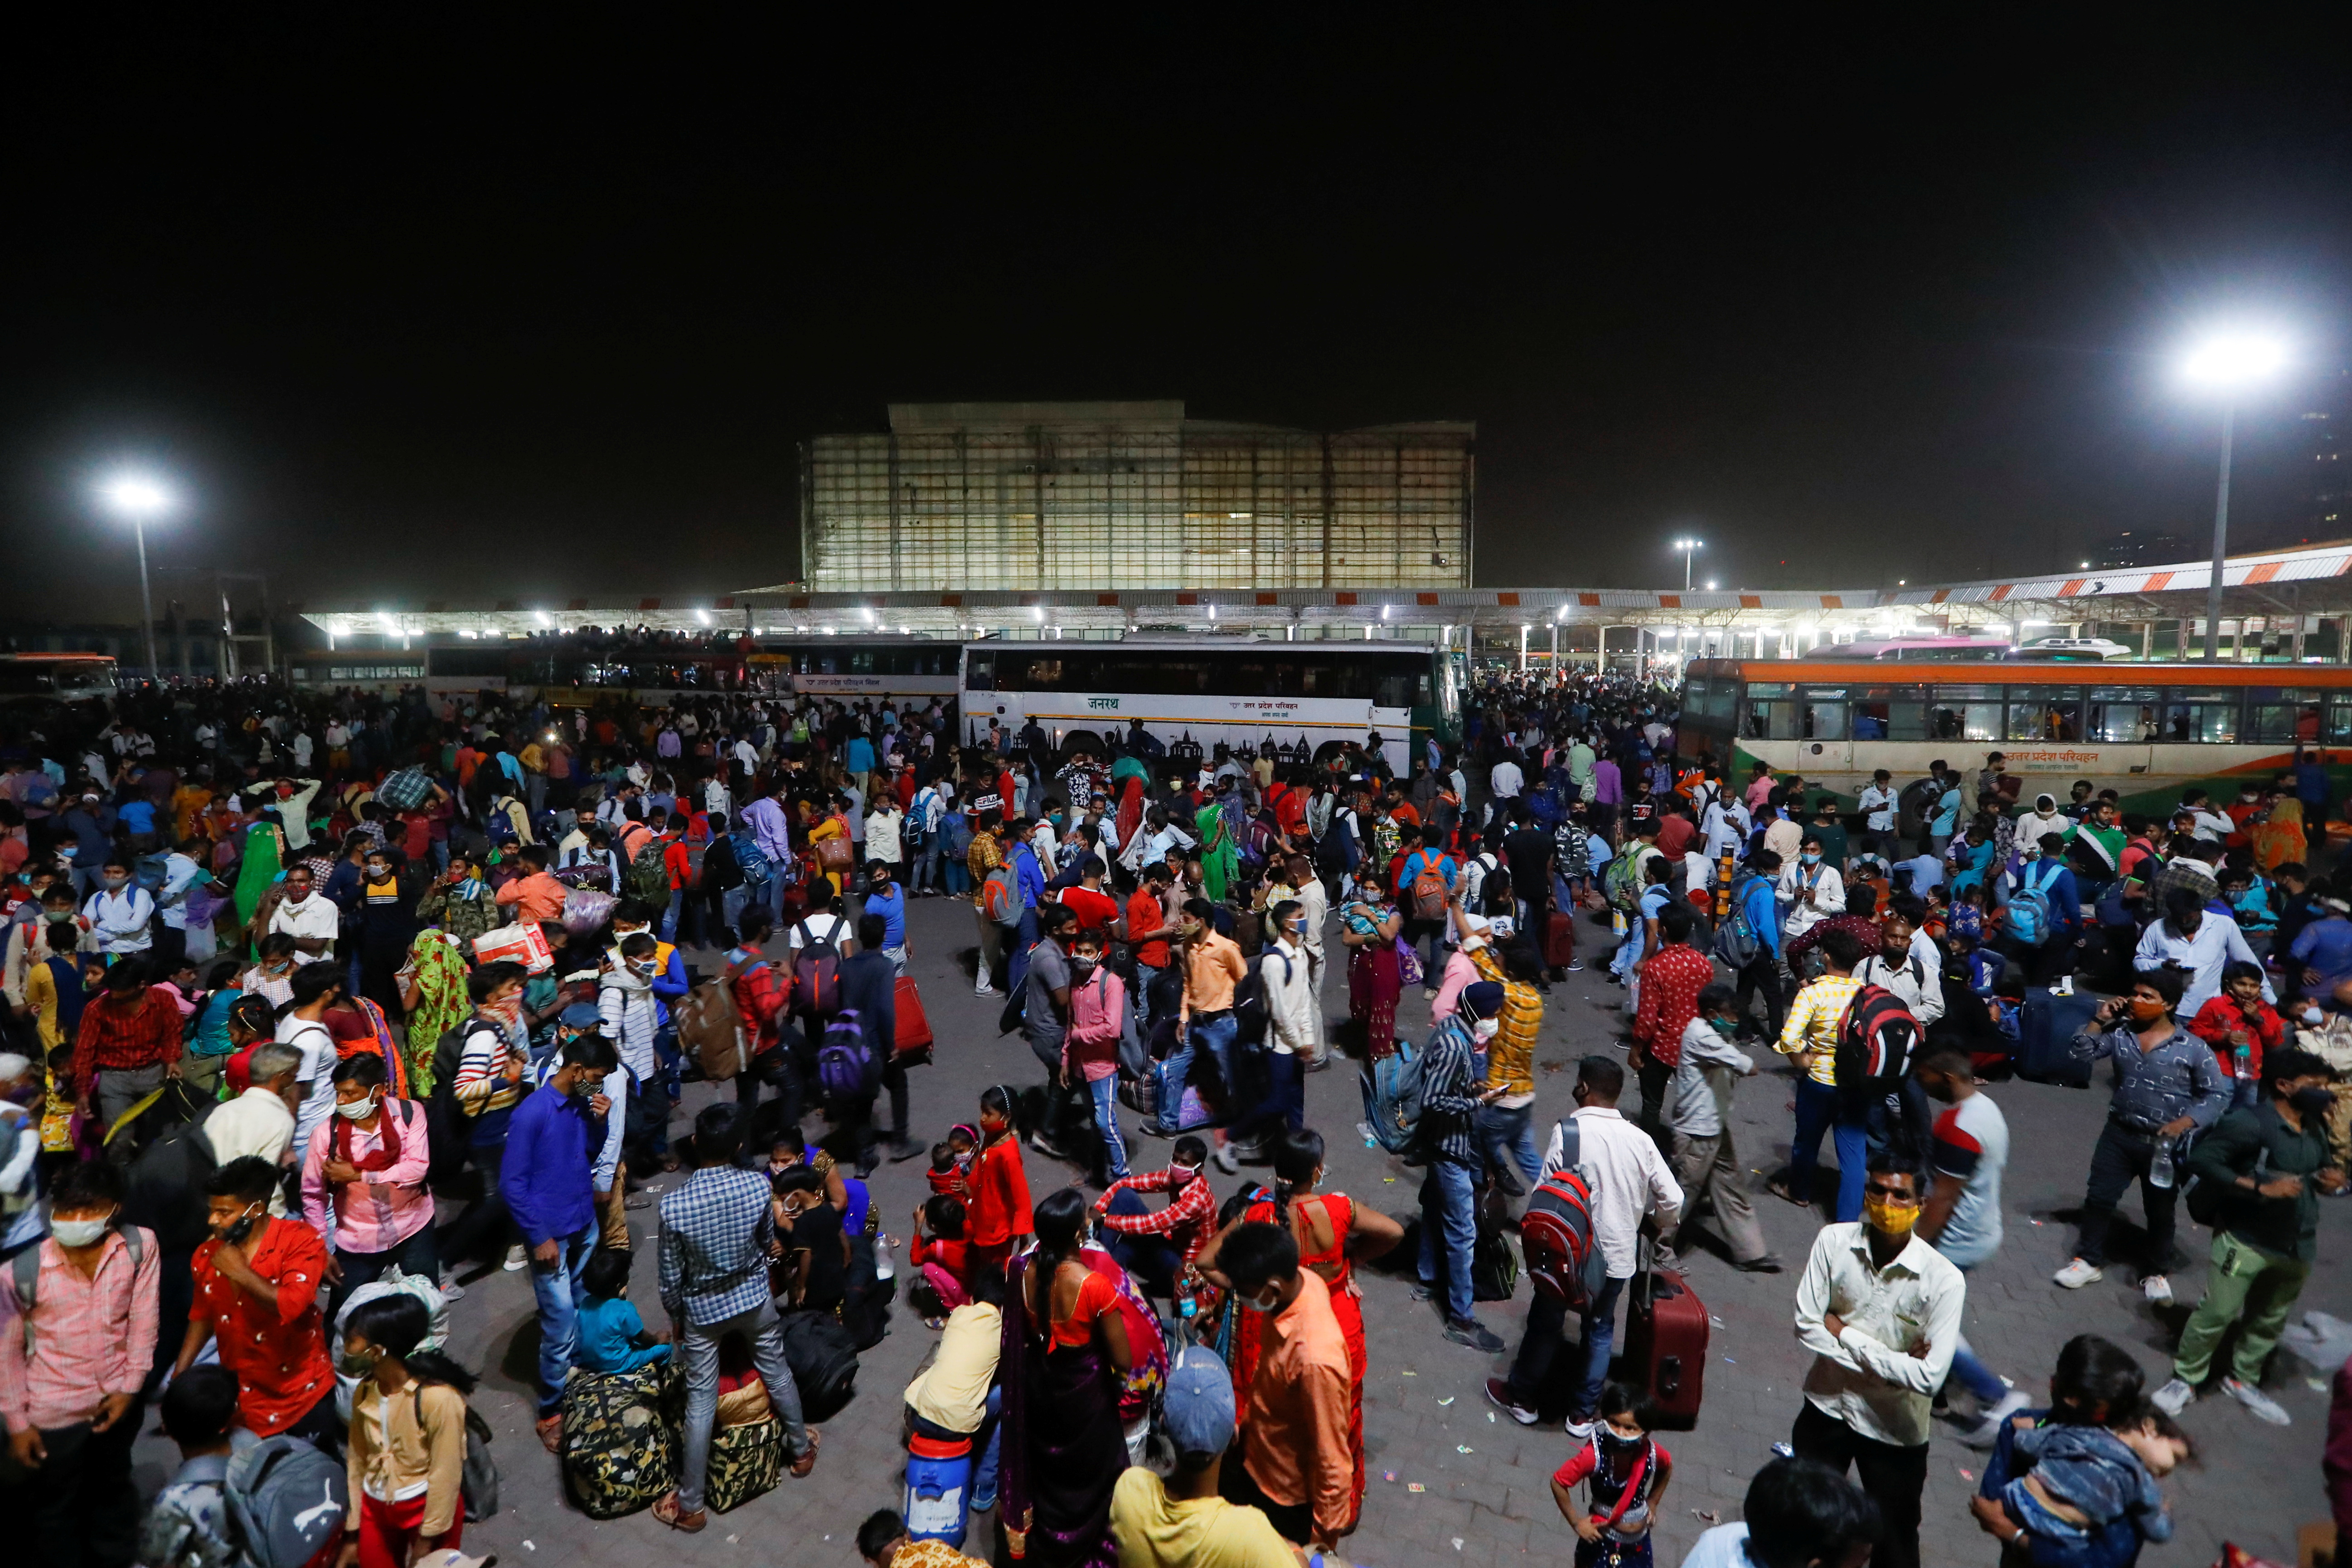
(2231, 364)
(138, 497)
(1689, 547)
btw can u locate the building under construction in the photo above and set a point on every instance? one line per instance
(1002, 495)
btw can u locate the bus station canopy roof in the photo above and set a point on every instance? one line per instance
(2313, 581)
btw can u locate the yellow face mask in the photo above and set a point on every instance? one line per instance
(1895, 1216)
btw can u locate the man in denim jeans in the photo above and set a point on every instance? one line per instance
(713, 1279)
(1213, 967)
(1449, 1101)
(547, 1180)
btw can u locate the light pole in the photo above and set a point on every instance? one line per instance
(1689, 547)
(2230, 364)
(139, 496)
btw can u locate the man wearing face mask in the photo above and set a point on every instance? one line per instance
(547, 1183)
(120, 912)
(1880, 1309)
(311, 919)
(2266, 1167)
(363, 1182)
(1450, 1100)
(2200, 945)
(70, 1373)
(257, 1299)
(1295, 1461)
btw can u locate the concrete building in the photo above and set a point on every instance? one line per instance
(1002, 496)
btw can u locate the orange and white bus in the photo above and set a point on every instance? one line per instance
(2148, 731)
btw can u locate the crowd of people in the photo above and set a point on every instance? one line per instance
(312, 1003)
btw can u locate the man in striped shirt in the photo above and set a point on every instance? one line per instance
(1450, 1100)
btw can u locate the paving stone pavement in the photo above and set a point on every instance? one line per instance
(1486, 1481)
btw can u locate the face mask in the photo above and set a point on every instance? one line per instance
(1485, 1029)
(236, 1234)
(587, 1089)
(1894, 1217)
(1811, 859)
(1080, 963)
(2312, 1018)
(79, 1231)
(1255, 1305)
(2312, 1101)
(356, 1109)
(2146, 1010)
(115, 882)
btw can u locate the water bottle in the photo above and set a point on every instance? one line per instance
(883, 1267)
(1188, 1302)
(2159, 1169)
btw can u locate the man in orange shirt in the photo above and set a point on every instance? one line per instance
(257, 1297)
(536, 895)
(1295, 1461)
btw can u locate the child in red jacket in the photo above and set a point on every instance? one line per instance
(2239, 1026)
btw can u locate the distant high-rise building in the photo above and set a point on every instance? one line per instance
(2136, 548)
(2327, 505)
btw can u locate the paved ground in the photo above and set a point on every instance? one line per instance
(1484, 1481)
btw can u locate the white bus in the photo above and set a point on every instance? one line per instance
(1238, 692)
(859, 669)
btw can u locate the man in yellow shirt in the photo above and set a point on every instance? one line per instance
(1811, 1036)
(1181, 1522)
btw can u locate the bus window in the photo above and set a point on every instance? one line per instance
(2125, 714)
(2339, 719)
(1890, 713)
(2283, 715)
(1822, 713)
(1771, 715)
(2207, 716)
(2046, 714)
(1965, 713)
(979, 672)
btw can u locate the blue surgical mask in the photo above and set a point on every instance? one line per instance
(1811, 860)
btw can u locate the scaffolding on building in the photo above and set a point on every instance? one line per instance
(1132, 495)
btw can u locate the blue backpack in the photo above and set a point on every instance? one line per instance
(752, 859)
(845, 1067)
(1392, 1087)
(2028, 915)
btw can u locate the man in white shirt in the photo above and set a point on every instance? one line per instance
(1877, 804)
(1725, 826)
(181, 876)
(882, 829)
(1810, 890)
(2210, 825)
(1299, 881)
(119, 912)
(260, 1122)
(2199, 944)
(311, 919)
(1629, 1182)
(1504, 784)
(1880, 1309)
(1897, 967)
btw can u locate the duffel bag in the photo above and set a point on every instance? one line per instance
(745, 1461)
(619, 1454)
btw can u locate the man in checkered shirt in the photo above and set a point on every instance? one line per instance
(715, 1241)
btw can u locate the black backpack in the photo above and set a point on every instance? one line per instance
(448, 1128)
(824, 1358)
(164, 1187)
(1877, 1041)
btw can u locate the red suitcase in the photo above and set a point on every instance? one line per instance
(1665, 1343)
(1559, 940)
(914, 1029)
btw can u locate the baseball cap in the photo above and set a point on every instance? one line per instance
(581, 1015)
(1198, 1407)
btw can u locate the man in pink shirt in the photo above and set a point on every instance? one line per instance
(536, 896)
(1760, 789)
(363, 1183)
(71, 1403)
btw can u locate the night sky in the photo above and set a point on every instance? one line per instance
(522, 307)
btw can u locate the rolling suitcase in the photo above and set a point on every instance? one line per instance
(1559, 940)
(1666, 1343)
(2045, 1036)
(914, 1037)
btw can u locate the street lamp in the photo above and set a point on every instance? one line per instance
(139, 496)
(1688, 548)
(2230, 364)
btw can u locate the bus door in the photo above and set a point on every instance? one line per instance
(1823, 719)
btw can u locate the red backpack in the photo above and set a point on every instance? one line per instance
(1878, 1039)
(1556, 1232)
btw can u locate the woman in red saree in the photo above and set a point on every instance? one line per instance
(1334, 1233)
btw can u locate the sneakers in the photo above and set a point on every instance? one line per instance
(517, 1259)
(1580, 1430)
(2261, 1405)
(2157, 1289)
(453, 1291)
(1987, 1426)
(1572, 967)
(1498, 1394)
(1226, 1159)
(990, 991)
(1767, 1264)
(1477, 1335)
(2077, 1274)
(2173, 1397)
